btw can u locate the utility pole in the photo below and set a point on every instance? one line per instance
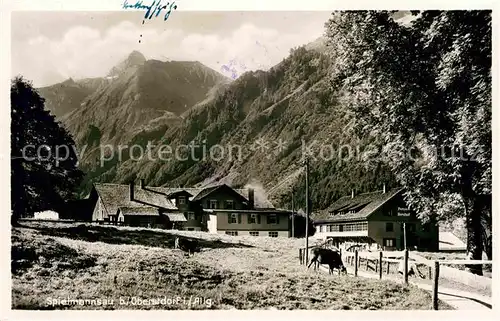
(404, 235)
(293, 214)
(307, 208)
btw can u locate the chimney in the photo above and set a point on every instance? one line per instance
(143, 183)
(383, 189)
(251, 202)
(131, 191)
(352, 193)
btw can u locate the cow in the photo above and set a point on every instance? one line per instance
(186, 245)
(330, 257)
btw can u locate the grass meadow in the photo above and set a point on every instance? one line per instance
(105, 267)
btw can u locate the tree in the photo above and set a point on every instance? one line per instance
(423, 90)
(44, 170)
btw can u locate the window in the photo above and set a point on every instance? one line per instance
(391, 212)
(190, 228)
(232, 233)
(389, 227)
(182, 200)
(213, 203)
(390, 242)
(273, 234)
(272, 219)
(191, 216)
(252, 218)
(333, 228)
(233, 218)
(229, 205)
(252, 233)
(359, 226)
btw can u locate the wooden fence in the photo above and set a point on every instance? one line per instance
(379, 259)
(450, 262)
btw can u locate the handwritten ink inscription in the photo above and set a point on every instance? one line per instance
(153, 9)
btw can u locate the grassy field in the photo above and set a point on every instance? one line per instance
(130, 268)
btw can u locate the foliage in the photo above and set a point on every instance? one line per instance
(41, 179)
(423, 88)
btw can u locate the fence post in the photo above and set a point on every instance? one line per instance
(380, 265)
(356, 263)
(388, 264)
(300, 257)
(430, 272)
(435, 288)
(405, 273)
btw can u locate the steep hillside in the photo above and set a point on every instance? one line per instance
(140, 97)
(290, 103)
(63, 98)
(139, 94)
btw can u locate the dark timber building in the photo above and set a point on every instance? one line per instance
(377, 219)
(216, 209)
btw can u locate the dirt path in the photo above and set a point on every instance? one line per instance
(460, 300)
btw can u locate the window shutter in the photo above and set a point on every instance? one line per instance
(249, 216)
(229, 218)
(267, 219)
(277, 219)
(258, 218)
(239, 218)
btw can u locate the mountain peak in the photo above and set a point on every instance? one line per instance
(135, 58)
(68, 81)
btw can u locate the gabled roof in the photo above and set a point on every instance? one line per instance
(138, 211)
(114, 196)
(209, 190)
(260, 201)
(176, 217)
(363, 206)
(179, 192)
(206, 191)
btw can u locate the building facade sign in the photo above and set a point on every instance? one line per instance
(404, 211)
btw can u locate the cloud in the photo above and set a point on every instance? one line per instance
(86, 52)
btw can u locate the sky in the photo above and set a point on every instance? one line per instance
(51, 46)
